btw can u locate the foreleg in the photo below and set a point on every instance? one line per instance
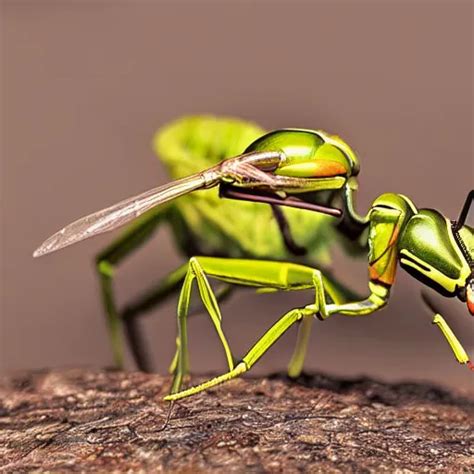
(458, 350)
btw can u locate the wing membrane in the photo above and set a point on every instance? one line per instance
(129, 209)
(119, 214)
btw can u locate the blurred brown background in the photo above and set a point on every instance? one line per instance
(85, 85)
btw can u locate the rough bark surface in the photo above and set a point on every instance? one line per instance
(93, 420)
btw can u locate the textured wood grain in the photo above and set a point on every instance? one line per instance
(93, 420)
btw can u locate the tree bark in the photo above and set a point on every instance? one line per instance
(98, 420)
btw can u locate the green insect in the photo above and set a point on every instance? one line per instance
(289, 168)
(200, 225)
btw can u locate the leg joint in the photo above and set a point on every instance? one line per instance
(319, 307)
(194, 266)
(317, 277)
(105, 268)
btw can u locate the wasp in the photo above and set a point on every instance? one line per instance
(290, 169)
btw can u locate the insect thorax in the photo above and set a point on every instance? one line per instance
(430, 252)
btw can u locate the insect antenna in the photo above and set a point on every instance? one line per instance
(464, 211)
(456, 225)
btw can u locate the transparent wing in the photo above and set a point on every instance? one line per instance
(124, 211)
(127, 210)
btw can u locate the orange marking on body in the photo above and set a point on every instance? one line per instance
(326, 169)
(394, 237)
(388, 276)
(373, 273)
(384, 274)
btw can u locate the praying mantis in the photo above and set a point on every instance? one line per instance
(290, 168)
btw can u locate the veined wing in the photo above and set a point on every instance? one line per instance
(125, 211)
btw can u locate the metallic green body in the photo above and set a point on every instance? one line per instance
(308, 153)
(429, 252)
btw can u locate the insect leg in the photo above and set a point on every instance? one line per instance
(376, 300)
(285, 231)
(221, 293)
(260, 274)
(252, 356)
(154, 297)
(106, 263)
(181, 363)
(263, 274)
(457, 348)
(335, 292)
(295, 367)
